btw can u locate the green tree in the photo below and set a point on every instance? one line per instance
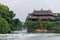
(16, 24)
(4, 26)
(8, 16)
(6, 13)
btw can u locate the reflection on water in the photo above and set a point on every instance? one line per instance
(23, 35)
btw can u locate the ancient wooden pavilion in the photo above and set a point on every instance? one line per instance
(44, 15)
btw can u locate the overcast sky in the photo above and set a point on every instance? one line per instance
(22, 7)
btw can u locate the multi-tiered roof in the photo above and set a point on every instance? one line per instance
(42, 14)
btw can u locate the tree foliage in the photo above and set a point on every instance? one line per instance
(7, 23)
(16, 24)
(48, 25)
(4, 26)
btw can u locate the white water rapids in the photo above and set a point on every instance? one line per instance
(23, 35)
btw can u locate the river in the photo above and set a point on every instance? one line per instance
(23, 35)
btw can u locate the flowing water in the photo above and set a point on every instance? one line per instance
(23, 35)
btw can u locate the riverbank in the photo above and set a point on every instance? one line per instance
(42, 31)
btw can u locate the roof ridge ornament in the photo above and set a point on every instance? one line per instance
(41, 9)
(34, 10)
